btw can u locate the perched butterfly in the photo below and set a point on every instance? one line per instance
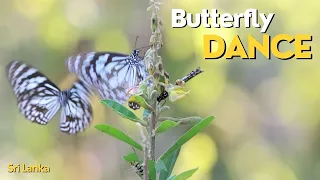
(39, 99)
(109, 73)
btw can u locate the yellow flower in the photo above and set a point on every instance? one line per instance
(177, 93)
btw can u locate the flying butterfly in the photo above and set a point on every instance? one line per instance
(109, 73)
(39, 99)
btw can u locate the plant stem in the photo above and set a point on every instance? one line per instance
(155, 69)
(145, 167)
(151, 132)
(145, 152)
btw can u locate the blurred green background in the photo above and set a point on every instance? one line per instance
(267, 123)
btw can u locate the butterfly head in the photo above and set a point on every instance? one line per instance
(135, 53)
(135, 59)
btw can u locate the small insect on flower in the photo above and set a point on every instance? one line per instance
(162, 96)
(138, 168)
(39, 99)
(191, 75)
(136, 90)
(109, 73)
(133, 105)
(176, 92)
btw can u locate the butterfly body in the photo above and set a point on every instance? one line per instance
(64, 95)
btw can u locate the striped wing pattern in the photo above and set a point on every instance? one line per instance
(77, 111)
(109, 73)
(39, 99)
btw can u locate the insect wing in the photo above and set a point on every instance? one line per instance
(111, 74)
(37, 96)
(76, 113)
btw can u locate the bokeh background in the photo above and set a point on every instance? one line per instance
(267, 123)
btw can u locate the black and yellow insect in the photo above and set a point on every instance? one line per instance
(138, 168)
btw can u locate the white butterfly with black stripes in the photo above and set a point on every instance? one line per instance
(39, 99)
(109, 73)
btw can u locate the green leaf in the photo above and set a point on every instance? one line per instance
(187, 136)
(160, 166)
(185, 175)
(169, 163)
(132, 157)
(165, 125)
(118, 134)
(121, 110)
(172, 177)
(152, 170)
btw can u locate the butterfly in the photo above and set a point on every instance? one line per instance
(39, 99)
(110, 74)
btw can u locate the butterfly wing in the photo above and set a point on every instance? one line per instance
(77, 111)
(110, 74)
(37, 96)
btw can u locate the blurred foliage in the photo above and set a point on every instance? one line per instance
(268, 122)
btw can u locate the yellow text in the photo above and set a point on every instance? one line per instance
(268, 46)
(24, 168)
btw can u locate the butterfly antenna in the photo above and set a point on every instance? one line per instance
(135, 44)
